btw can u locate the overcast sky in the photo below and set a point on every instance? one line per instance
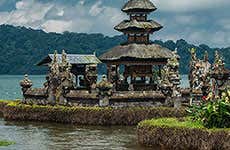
(197, 21)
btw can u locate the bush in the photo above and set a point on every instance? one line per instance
(181, 134)
(213, 113)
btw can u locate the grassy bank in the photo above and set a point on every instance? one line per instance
(87, 115)
(173, 133)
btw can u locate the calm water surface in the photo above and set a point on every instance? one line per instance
(49, 136)
(43, 136)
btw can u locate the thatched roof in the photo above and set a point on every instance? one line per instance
(138, 5)
(137, 51)
(76, 59)
(141, 25)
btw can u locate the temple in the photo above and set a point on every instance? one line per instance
(141, 60)
(139, 73)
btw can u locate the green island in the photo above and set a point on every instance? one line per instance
(16, 110)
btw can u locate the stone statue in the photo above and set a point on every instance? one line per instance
(59, 80)
(91, 77)
(26, 83)
(199, 77)
(104, 91)
(54, 80)
(219, 75)
(170, 82)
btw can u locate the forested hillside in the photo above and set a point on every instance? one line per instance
(21, 48)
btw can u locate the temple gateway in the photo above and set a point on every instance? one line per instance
(139, 73)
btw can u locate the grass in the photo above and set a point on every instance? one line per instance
(6, 143)
(4, 101)
(176, 123)
(72, 108)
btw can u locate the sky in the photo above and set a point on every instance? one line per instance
(196, 21)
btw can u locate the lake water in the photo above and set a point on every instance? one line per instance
(50, 136)
(10, 89)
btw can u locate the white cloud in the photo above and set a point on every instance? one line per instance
(187, 20)
(56, 26)
(96, 9)
(28, 13)
(189, 5)
(218, 38)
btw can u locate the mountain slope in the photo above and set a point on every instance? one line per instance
(21, 48)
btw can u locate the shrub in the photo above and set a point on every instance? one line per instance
(213, 113)
(181, 134)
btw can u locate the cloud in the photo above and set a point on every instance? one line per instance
(28, 13)
(96, 9)
(189, 5)
(56, 26)
(198, 21)
(225, 23)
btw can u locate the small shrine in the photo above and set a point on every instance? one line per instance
(220, 76)
(83, 67)
(207, 79)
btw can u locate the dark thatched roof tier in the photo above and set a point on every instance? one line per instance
(138, 5)
(73, 59)
(127, 25)
(137, 51)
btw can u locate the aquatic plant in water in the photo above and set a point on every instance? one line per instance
(6, 143)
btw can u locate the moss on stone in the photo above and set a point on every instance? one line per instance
(177, 123)
(87, 115)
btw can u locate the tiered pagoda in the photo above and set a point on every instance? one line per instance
(141, 59)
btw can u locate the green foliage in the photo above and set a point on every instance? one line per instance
(21, 48)
(171, 122)
(6, 143)
(181, 133)
(186, 122)
(214, 113)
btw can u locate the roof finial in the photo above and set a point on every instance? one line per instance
(55, 57)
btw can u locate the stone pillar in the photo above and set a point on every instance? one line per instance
(109, 72)
(26, 83)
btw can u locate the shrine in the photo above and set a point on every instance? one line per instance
(141, 60)
(83, 67)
